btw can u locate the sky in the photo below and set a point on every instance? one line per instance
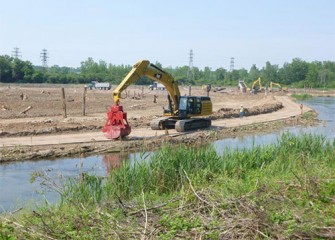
(123, 32)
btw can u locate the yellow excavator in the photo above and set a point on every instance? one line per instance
(275, 84)
(184, 113)
(285, 89)
(257, 86)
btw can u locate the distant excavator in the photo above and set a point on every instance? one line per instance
(285, 89)
(184, 113)
(257, 86)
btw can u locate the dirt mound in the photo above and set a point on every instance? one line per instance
(255, 110)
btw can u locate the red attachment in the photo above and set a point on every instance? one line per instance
(117, 124)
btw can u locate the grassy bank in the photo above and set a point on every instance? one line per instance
(303, 96)
(283, 190)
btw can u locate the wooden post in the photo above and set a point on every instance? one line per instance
(189, 90)
(64, 103)
(84, 101)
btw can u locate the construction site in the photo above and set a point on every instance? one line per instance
(38, 121)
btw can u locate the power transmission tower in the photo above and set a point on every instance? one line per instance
(16, 53)
(44, 58)
(190, 74)
(232, 64)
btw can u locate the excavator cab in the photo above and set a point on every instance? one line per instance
(189, 106)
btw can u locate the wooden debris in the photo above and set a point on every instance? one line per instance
(217, 89)
(26, 110)
(138, 106)
(4, 108)
(23, 97)
(136, 98)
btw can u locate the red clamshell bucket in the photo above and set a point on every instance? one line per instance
(117, 125)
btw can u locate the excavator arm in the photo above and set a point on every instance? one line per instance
(274, 84)
(145, 68)
(117, 125)
(258, 81)
(279, 86)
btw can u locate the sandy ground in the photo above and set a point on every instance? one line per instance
(43, 132)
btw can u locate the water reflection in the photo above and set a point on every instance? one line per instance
(112, 161)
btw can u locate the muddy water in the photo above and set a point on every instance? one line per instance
(16, 190)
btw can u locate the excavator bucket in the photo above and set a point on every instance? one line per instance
(116, 125)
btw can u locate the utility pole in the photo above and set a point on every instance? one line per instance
(16, 53)
(323, 76)
(232, 64)
(190, 74)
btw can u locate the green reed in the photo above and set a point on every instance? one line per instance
(165, 172)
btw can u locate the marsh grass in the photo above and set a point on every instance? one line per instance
(165, 172)
(88, 189)
(302, 96)
(284, 190)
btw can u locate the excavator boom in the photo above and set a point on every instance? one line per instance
(145, 68)
(117, 125)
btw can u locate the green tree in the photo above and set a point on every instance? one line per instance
(269, 73)
(313, 73)
(294, 72)
(254, 73)
(6, 68)
(17, 70)
(28, 71)
(220, 75)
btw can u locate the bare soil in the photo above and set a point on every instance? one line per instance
(45, 118)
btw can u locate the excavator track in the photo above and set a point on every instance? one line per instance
(180, 125)
(159, 123)
(192, 124)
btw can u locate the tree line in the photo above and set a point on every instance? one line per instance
(297, 73)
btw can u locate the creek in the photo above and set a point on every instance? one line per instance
(16, 191)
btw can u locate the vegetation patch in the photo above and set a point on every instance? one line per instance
(303, 96)
(279, 191)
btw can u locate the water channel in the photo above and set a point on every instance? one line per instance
(17, 191)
